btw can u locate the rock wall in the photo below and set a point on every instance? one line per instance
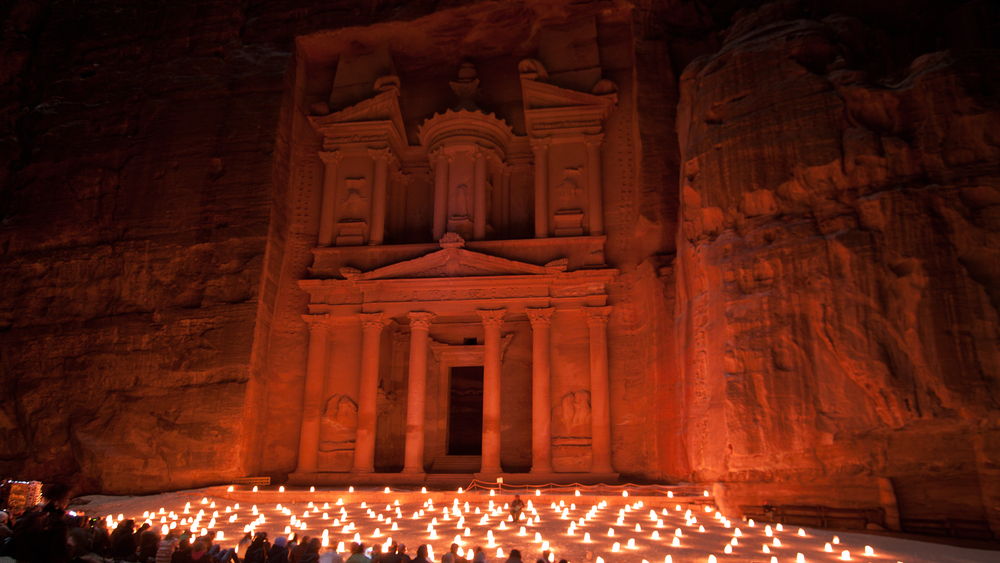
(136, 189)
(837, 267)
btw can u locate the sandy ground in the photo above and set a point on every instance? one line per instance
(634, 524)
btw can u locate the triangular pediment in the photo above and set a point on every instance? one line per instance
(452, 262)
(382, 107)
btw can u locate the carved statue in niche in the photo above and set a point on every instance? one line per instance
(568, 191)
(354, 204)
(353, 212)
(568, 218)
(461, 205)
(338, 424)
(572, 416)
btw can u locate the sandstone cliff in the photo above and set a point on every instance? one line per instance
(837, 268)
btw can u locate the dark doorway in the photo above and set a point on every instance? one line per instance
(465, 411)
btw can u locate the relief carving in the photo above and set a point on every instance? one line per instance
(568, 191)
(338, 424)
(352, 227)
(354, 205)
(461, 203)
(568, 218)
(572, 416)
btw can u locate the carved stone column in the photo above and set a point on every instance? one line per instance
(379, 189)
(331, 174)
(541, 150)
(600, 415)
(479, 196)
(364, 445)
(492, 322)
(416, 393)
(441, 165)
(541, 394)
(595, 190)
(312, 398)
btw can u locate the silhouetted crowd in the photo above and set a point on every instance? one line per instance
(47, 533)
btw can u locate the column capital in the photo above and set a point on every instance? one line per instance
(540, 144)
(371, 321)
(540, 316)
(379, 152)
(594, 139)
(331, 157)
(438, 155)
(492, 317)
(420, 320)
(317, 320)
(384, 154)
(597, 315)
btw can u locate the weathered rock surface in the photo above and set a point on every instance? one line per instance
(837, 269)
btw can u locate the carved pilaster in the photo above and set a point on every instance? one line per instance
(313, 392)
(328, 202)
(382, 158)
(440, 161)
(492, 322)
(541, 393)
(595, 188)
(416, 395)
(540, 148)
(364, 449)
(597, 322)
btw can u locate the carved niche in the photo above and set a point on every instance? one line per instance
(338, 426)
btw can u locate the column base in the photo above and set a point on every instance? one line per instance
(540, 478)
(444, 480)
(489, 474)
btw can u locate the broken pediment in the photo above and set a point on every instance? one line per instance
(551, 110)
(365, 103)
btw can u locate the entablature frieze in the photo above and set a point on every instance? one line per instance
(517, 309)
(581, 283)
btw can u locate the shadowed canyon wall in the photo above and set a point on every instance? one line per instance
(807, 238)
(837, 267)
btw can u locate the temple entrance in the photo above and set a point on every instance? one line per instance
(465, 411)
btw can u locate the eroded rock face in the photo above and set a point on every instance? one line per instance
(837, 269)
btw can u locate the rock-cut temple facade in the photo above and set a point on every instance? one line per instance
(441, 316)
(397, 241)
